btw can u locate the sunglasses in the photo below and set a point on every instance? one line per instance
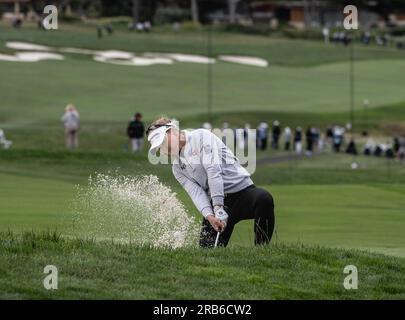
(155, 126)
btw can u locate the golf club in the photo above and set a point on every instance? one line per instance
(216, 240)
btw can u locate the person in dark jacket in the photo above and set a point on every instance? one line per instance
(298, 140)
(136, 132)
(276, 134)
(309, 134)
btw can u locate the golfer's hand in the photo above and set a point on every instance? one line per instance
(221, 214)
(217, 224)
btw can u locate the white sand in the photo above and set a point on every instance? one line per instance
(190, 58)
(27, 46)
(39, 52)
(136, 61)
(251, 61)
(115, 54)
(179, 57)
(6, 57)
(31, 57)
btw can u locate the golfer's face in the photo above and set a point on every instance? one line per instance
(170, 144)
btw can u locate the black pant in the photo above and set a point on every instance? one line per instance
(250, 203)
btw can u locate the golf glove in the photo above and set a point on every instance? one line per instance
(221, 214)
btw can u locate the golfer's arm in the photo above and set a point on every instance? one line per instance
(196, 193)
(211, 163)
(215, 184)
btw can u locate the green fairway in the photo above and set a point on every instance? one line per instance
(105, 93)
(110, 93)
(351, 216)
(39, 188)
(33, 203)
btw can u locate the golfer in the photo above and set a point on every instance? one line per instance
(218, 185)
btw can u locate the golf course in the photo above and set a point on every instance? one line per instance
(327, 214)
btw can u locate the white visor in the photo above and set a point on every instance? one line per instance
(157, 136)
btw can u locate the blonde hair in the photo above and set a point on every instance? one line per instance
(159, 122)
(70, 107)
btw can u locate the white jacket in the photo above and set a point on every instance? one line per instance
(71, 120)
(208, 170)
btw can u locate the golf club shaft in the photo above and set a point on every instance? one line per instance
(216, 240)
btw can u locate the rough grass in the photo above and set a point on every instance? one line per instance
(106, 270)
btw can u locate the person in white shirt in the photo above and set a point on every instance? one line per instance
(71, 123)
(3, 141)
(221, 189)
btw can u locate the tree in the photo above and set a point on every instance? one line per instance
(232, 10)
(135, 10)
(194, 11)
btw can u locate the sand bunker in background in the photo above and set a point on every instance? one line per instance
(147, 59)
(190, 58)
(39, 52)
(27, 46)
(135, 61)
(31, 56)
(251, 61)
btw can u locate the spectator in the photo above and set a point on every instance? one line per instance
(316, 136)
(389, 152)
(369, 147)
(109, 29)
(140, 27)
(136, 132)
(246, 134)
(17, 23)
(351, 148)
(71, 122)
(320, 140)
(401, 150)
(329, 135)
(262, 136)
(325, 33)
(176, 26)
(338, 135)
(3, 141)
(276, 134)
(207, 125)
(366, 37)
(381, 40)
(378, 151)
(147, 26)
(309, 135)
(396, 145)
(298, 140)
(287, 138)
